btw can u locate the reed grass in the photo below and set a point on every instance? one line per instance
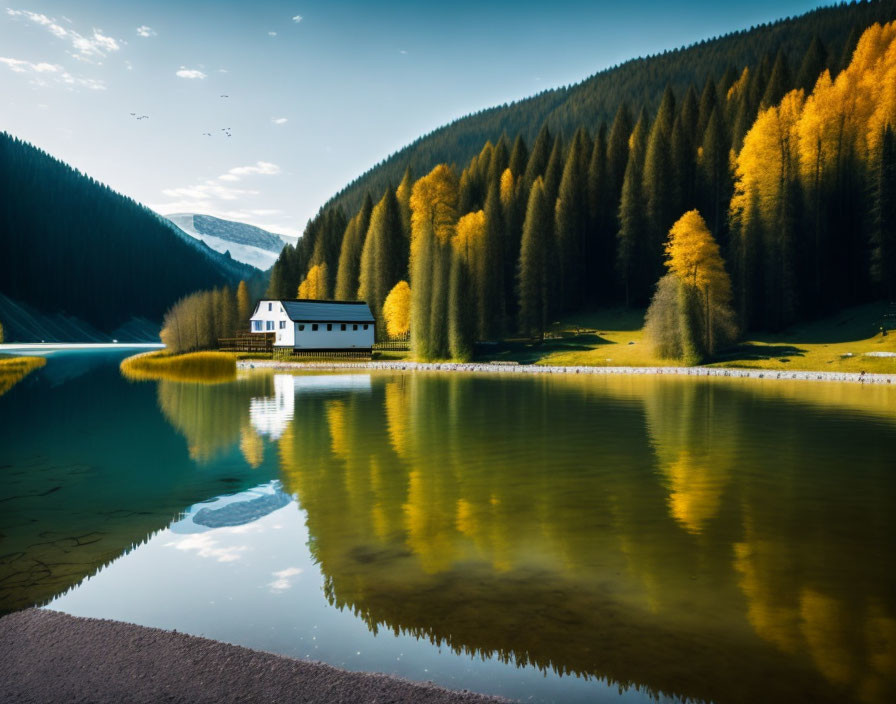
(197, 367)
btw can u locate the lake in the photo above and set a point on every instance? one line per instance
(549, 538)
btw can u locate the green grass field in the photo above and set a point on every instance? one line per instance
(614, 337)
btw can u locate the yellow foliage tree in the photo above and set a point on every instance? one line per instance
(397, 310)
(470, 235)
(507, 187)
(314, 287)
(693, 256)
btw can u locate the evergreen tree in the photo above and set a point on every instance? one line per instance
(659, 191)
(491, 289)
(243, 306)
(519, 155)
(883, 230)
(347, 278)
(714, 178)
(385, 254)
(403, 194)
(779, 83)
(633, 263)
(554, 171)
(601, 236)
(814, 62)
(538, 158)
(571, 220)
(536, 263)
(617, 157)
(709, 99)
(461, 324)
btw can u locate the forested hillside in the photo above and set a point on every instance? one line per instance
(71, 245)
(779, 178)
(639, 82)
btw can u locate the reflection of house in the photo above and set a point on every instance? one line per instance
(272, 414)
(315, 325)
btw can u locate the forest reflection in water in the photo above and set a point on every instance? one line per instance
(724, 541)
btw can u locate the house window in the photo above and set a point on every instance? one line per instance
(343, 327)
(354, 327)
(270, 306)
(283, 325)
(256, 325)
(301, 327)
(329, 327)
(365, 326)
(270, 324)
(314, 327)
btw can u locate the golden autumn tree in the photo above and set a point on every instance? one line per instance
(314, 287)
(763, 212)
(397, 310)
(433, 222)
(690, 315)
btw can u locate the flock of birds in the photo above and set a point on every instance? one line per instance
(225, 130)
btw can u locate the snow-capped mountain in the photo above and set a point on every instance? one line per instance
(246, 243)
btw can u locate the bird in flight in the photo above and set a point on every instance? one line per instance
(224, 96)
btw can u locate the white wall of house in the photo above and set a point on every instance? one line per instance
(354, 335)
(272, 317)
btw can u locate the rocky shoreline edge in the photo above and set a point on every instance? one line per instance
(50, 656)
(505, 368)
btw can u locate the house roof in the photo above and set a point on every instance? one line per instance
(302, 310)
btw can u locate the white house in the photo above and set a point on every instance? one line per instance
(315, 325)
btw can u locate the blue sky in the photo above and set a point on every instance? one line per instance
(317, 91)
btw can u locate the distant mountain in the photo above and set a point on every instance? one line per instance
(639, 83)
(246, 243)
(72, 248)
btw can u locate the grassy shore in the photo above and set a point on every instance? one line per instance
(201, 367)
(615, 338)
(14, 369)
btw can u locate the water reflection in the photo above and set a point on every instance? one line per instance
(713, 540)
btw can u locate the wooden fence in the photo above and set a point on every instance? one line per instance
(397, 344)
(286, 354)
(248, 342)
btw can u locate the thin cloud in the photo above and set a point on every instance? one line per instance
(402, 51)
(263, 168)
(43, 72)
(146, 31)
(90, 48)
(297, 18)
(279, 120)
(272, 34)
(190, 73)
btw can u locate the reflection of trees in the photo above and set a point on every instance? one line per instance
(601, 527)
(213, 417)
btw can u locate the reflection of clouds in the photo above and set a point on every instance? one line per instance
(283, 581)
(205, 545)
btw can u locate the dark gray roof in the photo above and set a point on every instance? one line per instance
(328, 311)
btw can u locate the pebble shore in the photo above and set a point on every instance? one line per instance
(493, 368)
(51, 657)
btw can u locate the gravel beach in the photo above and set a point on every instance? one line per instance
(49, 656)
(492, 368)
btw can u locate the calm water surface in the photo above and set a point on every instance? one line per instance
(552, 538)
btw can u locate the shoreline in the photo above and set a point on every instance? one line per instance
(493, 368)
(50, 346)
(50, 656)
